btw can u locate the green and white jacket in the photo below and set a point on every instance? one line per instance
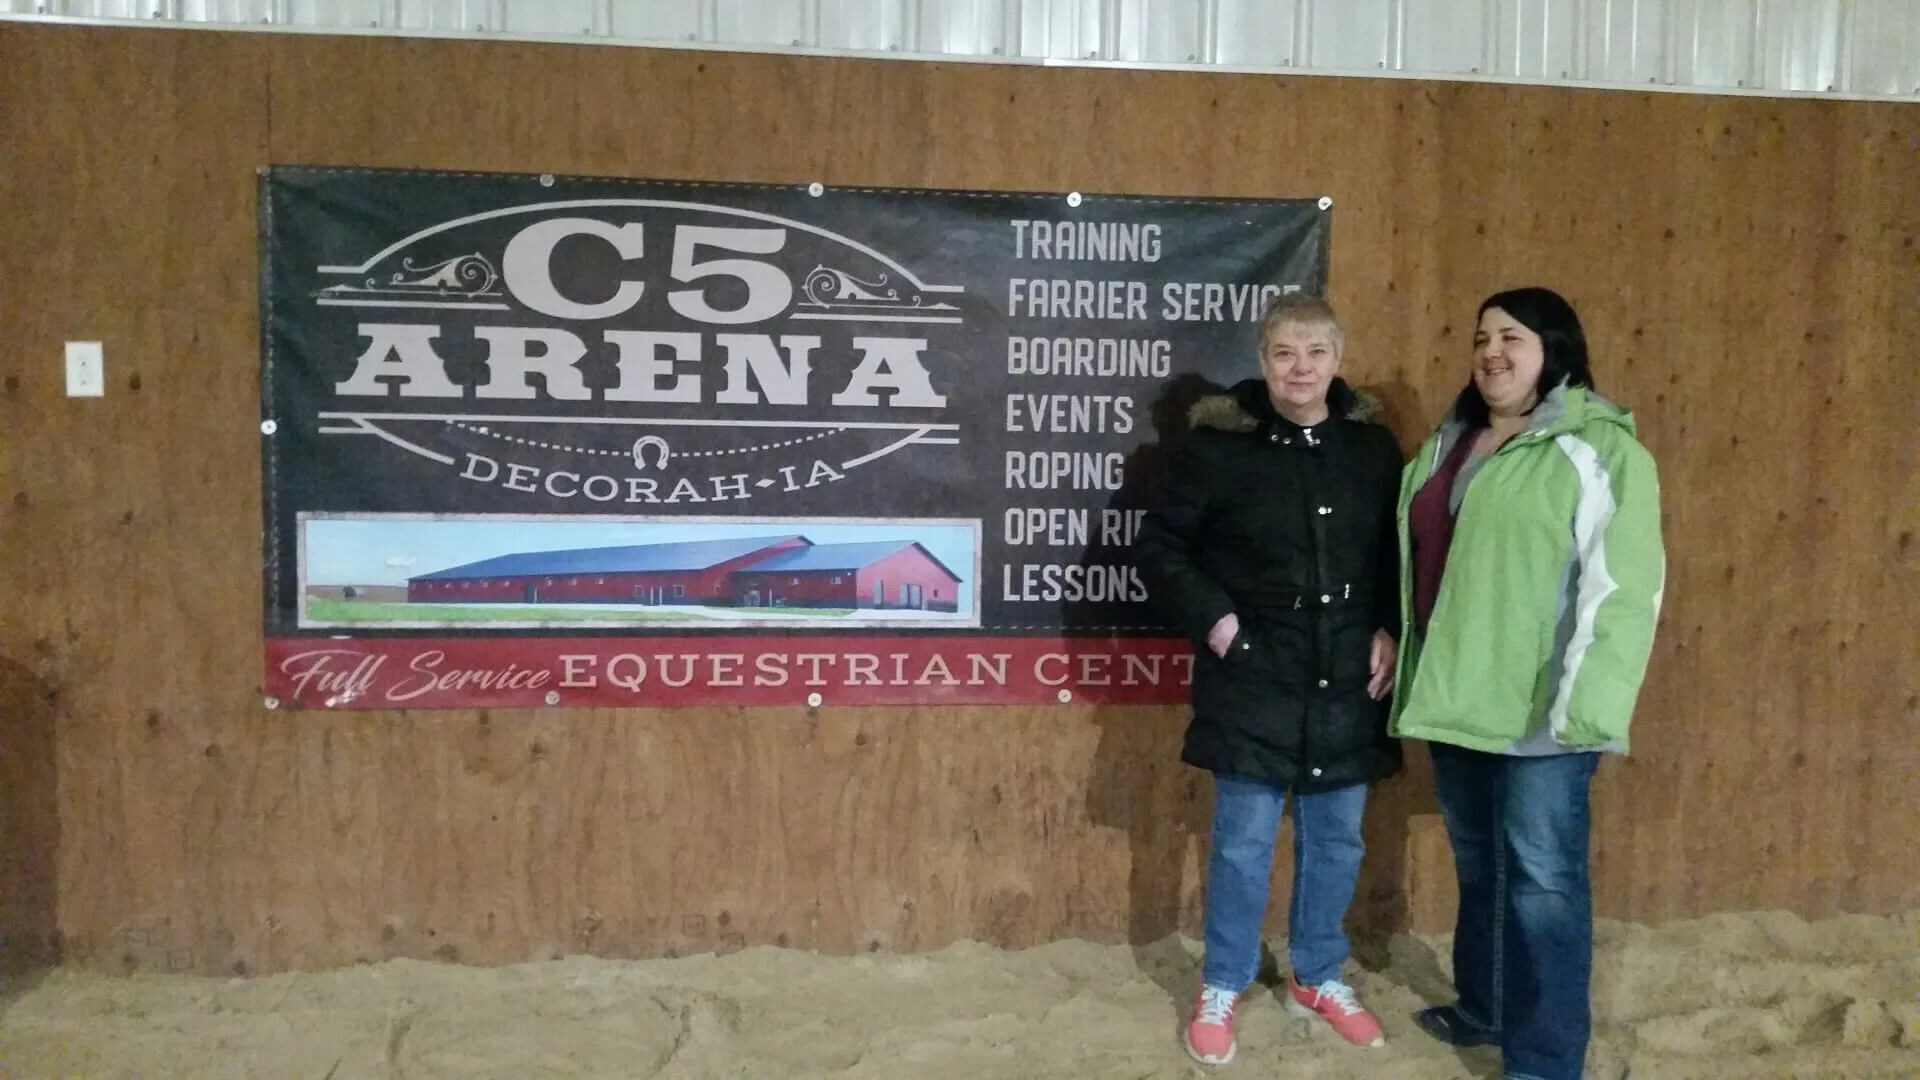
(1545, 616)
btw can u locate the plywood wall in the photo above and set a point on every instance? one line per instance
(1747, 268)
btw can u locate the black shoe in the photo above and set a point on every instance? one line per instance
(1445, 1023)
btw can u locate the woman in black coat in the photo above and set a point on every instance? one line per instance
(1273, 548)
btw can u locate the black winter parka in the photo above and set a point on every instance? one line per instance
(1292, 528)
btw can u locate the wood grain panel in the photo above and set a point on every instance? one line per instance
(1747, 269)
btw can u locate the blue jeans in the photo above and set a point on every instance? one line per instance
(1523, 945)
(1326, 863)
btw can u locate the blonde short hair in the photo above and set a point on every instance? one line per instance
(1302, 310)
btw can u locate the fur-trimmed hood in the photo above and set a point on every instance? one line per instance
(1246, 407)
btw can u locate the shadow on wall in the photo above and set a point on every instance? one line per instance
(1140, 786)
(1382, 899)
(29, 829)
(1138, 783)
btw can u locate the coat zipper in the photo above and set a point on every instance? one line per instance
(1317, 529)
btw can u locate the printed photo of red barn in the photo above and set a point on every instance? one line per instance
(884, 574)
(775, 571)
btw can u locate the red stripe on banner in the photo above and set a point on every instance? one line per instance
(504, 672)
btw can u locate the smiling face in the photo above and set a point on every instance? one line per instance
(1507, 358)
(1298, 361)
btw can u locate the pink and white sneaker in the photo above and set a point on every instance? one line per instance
(1210, 1035)
(1333, 1001)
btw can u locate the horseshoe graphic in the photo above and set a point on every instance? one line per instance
(640, 451)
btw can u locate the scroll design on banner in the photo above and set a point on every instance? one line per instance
(467, 277)
(829, 288)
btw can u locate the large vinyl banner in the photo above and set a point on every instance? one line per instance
(582, 441)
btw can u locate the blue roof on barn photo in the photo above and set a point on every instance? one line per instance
(840, 557)
(627, 559)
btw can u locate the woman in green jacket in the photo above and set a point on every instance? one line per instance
(1531, 578)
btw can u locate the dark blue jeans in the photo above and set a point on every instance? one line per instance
(1523, 946)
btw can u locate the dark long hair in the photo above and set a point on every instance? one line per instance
(1563, 346)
